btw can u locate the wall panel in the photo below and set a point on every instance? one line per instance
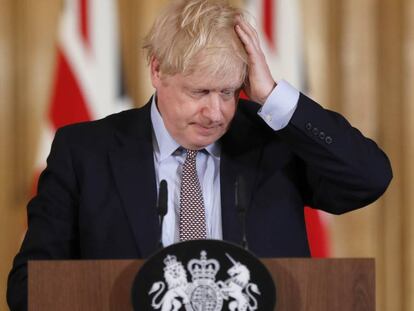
(390, 82)
(408, 142)
(357, 98)
(8, 215)
(27, 34)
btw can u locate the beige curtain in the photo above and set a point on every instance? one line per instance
(26, 60)
(361, 59)
(360, 56)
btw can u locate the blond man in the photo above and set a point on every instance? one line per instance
(97, 196)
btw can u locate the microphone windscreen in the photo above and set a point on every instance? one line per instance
(163, 198)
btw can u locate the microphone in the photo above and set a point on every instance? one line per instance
(240, 200)
(162, 206)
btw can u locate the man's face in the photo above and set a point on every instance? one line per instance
(196, 109)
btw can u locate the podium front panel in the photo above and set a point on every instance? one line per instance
(301, 284)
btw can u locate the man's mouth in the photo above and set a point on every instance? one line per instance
(206, 130)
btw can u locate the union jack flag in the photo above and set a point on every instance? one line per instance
(87, 81)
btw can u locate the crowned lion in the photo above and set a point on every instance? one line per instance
(176, 278)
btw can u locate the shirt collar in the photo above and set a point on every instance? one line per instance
(165, 145)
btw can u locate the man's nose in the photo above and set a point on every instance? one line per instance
(212, 110)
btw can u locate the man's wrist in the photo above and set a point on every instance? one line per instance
(264, 99)
(280, 105)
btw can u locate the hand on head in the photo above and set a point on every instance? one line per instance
(259, 83)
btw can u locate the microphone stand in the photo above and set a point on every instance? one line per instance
(162, 207)
(241, 207)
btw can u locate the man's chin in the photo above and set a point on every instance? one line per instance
(204, 141)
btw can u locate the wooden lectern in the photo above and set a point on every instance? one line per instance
(301, 284)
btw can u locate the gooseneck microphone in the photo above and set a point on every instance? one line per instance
(241, 200)
(162, 206)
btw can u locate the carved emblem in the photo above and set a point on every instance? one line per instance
(203, 292)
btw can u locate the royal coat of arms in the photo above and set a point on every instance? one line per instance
(203, 293)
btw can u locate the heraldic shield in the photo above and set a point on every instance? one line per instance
(203, 275)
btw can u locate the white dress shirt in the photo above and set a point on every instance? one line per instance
(169, 158)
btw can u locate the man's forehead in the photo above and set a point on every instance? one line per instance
(200, 80)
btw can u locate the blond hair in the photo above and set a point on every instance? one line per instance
(194, 35)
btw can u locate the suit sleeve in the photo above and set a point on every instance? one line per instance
(51, 221)
(344, 170)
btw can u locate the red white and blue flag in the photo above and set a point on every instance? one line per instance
(87, 81)
(281, 32)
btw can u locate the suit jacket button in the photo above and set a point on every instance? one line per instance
(328, 140)
(308, 126)
(315, 131)
(322, 135)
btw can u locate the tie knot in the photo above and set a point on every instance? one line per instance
(191, 154)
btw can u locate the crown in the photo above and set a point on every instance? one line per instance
(203, 268)
(171, 263)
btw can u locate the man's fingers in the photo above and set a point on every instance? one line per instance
(248, 44)
(249, 31)
(259, 82)
(244, 38)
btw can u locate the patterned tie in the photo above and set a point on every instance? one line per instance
(192, 213)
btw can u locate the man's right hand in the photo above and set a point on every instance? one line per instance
(259, 82)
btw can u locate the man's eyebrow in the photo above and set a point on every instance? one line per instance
(219, 88)
(232, 87)
(194, 88)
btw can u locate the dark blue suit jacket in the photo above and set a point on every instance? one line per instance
(97, 196)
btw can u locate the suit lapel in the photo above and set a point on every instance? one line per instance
(133, 168)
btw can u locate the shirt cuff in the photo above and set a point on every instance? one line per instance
(280, 105)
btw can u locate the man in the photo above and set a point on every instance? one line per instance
(97, 196)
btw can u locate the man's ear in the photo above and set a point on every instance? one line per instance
(155, 72)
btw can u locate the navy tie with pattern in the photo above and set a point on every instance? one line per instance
(192, 212)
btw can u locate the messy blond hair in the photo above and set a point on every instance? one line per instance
(194, 35)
